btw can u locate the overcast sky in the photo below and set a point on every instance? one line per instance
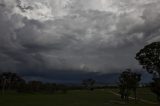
(54, 37)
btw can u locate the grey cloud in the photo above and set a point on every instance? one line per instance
(88, 39)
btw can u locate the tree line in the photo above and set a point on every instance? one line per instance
(12, 81)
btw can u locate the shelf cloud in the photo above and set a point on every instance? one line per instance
(65, 36)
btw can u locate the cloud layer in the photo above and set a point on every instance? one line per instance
(50, 36)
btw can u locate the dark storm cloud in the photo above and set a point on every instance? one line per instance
(53, 38)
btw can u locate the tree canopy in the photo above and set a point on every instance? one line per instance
(129, 79)
(149, 57)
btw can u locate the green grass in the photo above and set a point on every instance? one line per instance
(74, 98)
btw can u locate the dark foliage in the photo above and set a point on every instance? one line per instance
(149, 57)
(129, 81)
(10, 81)
(89, 83)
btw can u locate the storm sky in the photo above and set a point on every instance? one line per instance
(51, 38)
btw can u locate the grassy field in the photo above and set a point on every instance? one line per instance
(77, 98)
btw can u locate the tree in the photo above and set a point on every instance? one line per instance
(128, 81)
(88, 83)
(9, 80)
(149, 57)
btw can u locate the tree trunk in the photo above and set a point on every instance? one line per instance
(4, 86)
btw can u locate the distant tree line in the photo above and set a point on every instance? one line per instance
(12, 81)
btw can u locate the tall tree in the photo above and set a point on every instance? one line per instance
(149, 57)
(129, 81)
(9, 80)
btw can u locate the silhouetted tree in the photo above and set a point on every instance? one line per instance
(149, 58)
(88, 83)
(129, 81)
(9, 81)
